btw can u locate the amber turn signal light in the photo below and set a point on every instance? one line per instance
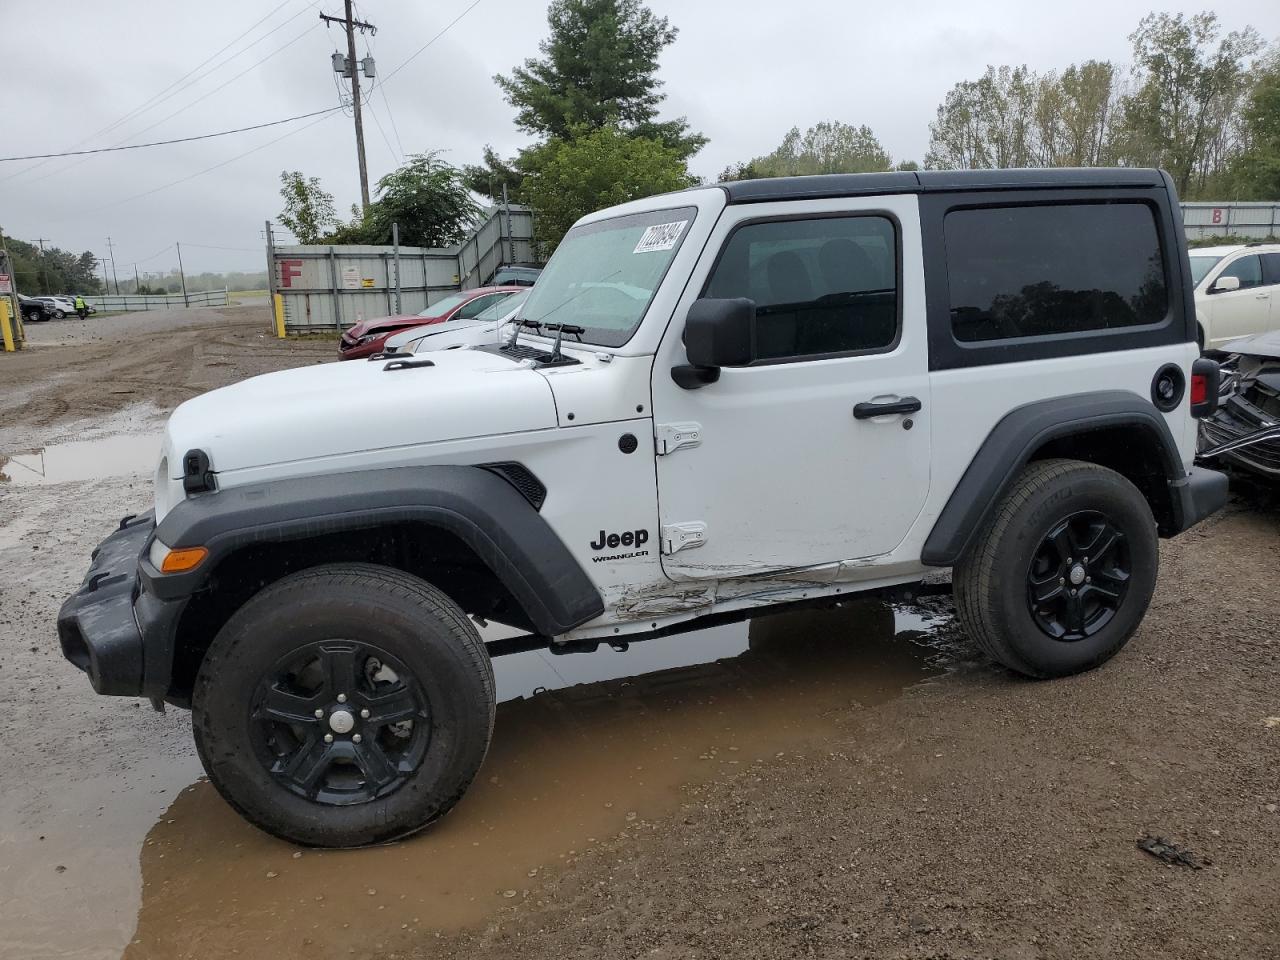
(183, 559)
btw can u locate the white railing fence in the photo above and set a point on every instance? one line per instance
(132, 301)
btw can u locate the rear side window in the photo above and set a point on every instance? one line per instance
(1271, 268)
(1035, 271)
(823, 286)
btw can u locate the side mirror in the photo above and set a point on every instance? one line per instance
(717, 333)
(1223, 284)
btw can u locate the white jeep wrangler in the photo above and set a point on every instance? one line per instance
(714, 402)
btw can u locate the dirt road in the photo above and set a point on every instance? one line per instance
(846, 783)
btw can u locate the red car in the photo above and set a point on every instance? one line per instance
(367, 337)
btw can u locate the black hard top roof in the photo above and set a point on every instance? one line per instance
(929, 181)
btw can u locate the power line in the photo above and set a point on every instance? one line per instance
(418, 52)
(182, 109)
(142, 107)
(165, 143)
(216, 166)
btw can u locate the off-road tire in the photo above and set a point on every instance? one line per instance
(990, 582)
(404, 616)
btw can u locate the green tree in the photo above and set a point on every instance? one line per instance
(598, 68)
(426, 197)
(595, 169)
(1190, 86)
(988, 122)
(828, 147)
(55, 271)
(308, 210)
(1255, 172)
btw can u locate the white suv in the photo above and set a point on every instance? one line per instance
(1237, 291)
(714, 403)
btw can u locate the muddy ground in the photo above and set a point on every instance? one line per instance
(847, 783)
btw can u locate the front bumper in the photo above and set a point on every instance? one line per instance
(111, 628)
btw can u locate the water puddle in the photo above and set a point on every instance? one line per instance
(112, 456)
(587, 746)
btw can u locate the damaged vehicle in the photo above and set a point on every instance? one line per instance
(1245, 430)
(714, 403)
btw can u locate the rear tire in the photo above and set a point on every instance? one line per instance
(1029, 593)
(405, 692)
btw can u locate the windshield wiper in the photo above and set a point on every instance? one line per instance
(561, 329)
(520, 324)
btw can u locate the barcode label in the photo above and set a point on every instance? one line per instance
(661, 236)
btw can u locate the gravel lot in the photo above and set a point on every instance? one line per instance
(854, 783)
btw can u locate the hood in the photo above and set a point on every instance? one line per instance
(1259, 345)
(395, 320)
(452, 333)
(334, 409)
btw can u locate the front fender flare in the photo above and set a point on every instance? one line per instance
(479, 507)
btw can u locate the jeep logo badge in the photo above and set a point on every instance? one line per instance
(628, 538)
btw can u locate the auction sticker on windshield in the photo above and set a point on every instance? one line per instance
(660, 236)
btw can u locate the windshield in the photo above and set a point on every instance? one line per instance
(1200, 266)
(603, 274)
(445, 305)
(496, 311)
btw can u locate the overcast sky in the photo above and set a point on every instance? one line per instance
(743, 74)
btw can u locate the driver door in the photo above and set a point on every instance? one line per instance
(785, 463)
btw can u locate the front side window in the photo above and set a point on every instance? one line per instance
(1247, 269)
(604, 274)
(480, 304)
(823, 286)
(1052, 270)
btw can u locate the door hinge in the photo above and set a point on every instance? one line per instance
(683, 536)
(670, 437)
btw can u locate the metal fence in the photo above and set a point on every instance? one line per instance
(132, 301)
(332, 287)
(1238, 219)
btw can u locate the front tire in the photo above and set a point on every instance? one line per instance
(1063, 573)
(344, 705)
(59, 315)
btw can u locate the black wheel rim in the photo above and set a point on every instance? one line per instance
(1078, 577)
(340, 722)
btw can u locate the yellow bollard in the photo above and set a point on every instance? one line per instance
(6, 327)
(279, 312)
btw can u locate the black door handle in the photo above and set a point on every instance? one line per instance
(865, 411)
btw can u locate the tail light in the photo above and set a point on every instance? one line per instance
(1205, 379)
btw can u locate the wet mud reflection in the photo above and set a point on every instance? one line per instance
(586, 746)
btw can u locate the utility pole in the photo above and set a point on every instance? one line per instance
(44, 266)
(351, 68)
(136, 282)
(182, 275)
(112, 255)
(106, 281)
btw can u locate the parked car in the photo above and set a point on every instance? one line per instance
(1245, 430)
(34, 309)
(483, 328)
(722, 402)
(1237, 291)
(367, 337)
(518, 274)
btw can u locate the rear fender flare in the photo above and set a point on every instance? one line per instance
(1012, 443)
